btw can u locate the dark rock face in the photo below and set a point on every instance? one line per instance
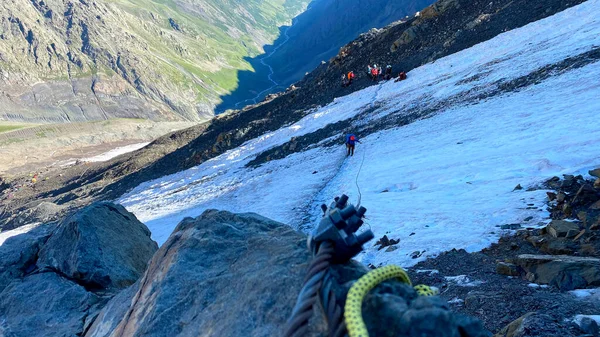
(45, 305)
(219, 275)
(103, 246)
(19, 254)
(56, 278)
(223, 274)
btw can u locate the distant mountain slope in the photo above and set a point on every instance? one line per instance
(63, 60)
(316, 35)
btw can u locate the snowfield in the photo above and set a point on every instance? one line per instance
(439, 183)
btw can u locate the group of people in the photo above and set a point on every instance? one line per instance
(376, 73)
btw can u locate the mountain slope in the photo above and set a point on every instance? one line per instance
(441, 152)
(66, 60)
(316, 35)
(78, 185)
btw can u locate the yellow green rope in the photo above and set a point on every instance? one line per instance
(352, 310)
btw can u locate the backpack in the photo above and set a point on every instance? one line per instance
(352, 138)
(374, 71)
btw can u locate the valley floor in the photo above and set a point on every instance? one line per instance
(441, 152)
(35, 148)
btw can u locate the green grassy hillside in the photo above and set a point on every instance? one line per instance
(178, 56)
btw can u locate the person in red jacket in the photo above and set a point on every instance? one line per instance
(351, 77)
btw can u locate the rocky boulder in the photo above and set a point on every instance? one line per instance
(45, 305)
(563, 229)
(18, 254)
(55, 278)
(102, 246)
(564, 272)
(223, 274)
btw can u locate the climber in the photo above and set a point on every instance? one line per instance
(401, 77)
(344, 81)
(388, 73)
(351, 77)
(374, 73)
(351, 140)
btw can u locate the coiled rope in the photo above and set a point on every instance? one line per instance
(352, 310)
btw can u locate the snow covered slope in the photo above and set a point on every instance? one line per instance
(517, 109)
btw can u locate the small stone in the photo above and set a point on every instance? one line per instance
(551, 196)
(530, 277)
(560, 228)
(518, 188)
(579, 235)
(415, 255)
(529, 218)
(572, 233)
(507, 269)
(567, 209)
(391, 248)
(560, 197)
(596, 205)
(589, 326)
(597, 183)
(536, 241)
(585, 195)
(513, 226)
(595, 173)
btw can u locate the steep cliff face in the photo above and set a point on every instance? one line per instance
(63, 60)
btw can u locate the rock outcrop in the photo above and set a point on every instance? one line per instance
(103, 246)
(55, 279)
(223, 274)
(564, 272)
(18, 255)
(45, 305)
(218, 275)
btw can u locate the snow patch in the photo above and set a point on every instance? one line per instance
(115, 153)
(21, 230)
(463, 281)
(586, 293)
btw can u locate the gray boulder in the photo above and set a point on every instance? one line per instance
(223, 274)
(103, 246)
(19, 253)
(563, 271)
(45, 305)
(218, 275)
